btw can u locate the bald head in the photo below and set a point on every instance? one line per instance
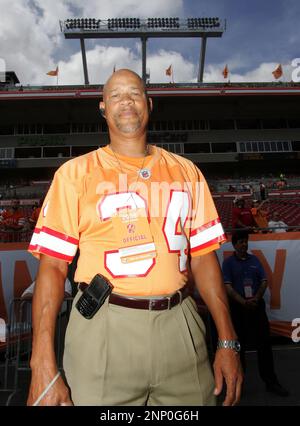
(125, 104)
(123, 72)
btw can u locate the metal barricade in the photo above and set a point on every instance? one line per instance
(16, 374)
(18, 345)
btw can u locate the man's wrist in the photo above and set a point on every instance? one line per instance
(40, 362)
(241, 300)
(229, 344)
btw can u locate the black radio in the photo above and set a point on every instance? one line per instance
(94, 296)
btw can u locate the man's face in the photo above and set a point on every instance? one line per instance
(15, 205)
(125, 103)
(276, 217)
(241, 246)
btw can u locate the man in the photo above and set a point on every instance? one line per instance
(242, 216)
(13, 219)
(127, 209)
(260, 213)
(262, 189)
(35, 214)
(246, 284)
(276, 225)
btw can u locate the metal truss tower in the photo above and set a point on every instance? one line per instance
(86, 28)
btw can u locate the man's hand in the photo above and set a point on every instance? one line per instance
(58, 394)
(251, 303)
(227, 366)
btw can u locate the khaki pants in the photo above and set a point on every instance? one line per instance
(125, 356)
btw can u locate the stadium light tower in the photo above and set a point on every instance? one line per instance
(144, 29)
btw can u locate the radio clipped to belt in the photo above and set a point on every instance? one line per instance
(94, 296)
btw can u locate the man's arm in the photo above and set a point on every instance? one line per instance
(283, 224)
(240, 224)
(247, 303)
(261, 291)
(234, 294)
(208, 278)
(47, 300)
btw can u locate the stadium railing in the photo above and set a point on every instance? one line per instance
(258, 230)
(15, 236)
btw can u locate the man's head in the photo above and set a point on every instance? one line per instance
(240, 242)
(276, 216)
(240, 203)
(125, 104)
(15, 204)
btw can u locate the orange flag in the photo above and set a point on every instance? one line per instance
(225, 71)
(277, 73)
(169, 70)
(53, 73)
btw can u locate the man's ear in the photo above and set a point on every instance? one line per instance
(102, 109)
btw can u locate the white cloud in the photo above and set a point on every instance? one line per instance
(183, 70)
(30, 39)
(30, 36)
(101, 61)
(136, 8)
(263, 73)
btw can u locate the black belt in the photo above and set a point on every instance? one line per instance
(150, 304)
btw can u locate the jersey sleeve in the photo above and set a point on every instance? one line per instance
(56, 232)
(207, 232)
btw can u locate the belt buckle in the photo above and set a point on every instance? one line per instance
(151, 303)
(180, 296)
(169, 302)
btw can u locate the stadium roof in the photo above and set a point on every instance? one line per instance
(192, 89)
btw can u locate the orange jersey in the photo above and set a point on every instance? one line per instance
(260, 217)
(88, 192)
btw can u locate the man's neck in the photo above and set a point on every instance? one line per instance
(241, 256)
(135, 147)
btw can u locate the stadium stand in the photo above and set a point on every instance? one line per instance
(238, 134)
(289, 210)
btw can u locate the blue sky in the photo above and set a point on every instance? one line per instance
(259, 36)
